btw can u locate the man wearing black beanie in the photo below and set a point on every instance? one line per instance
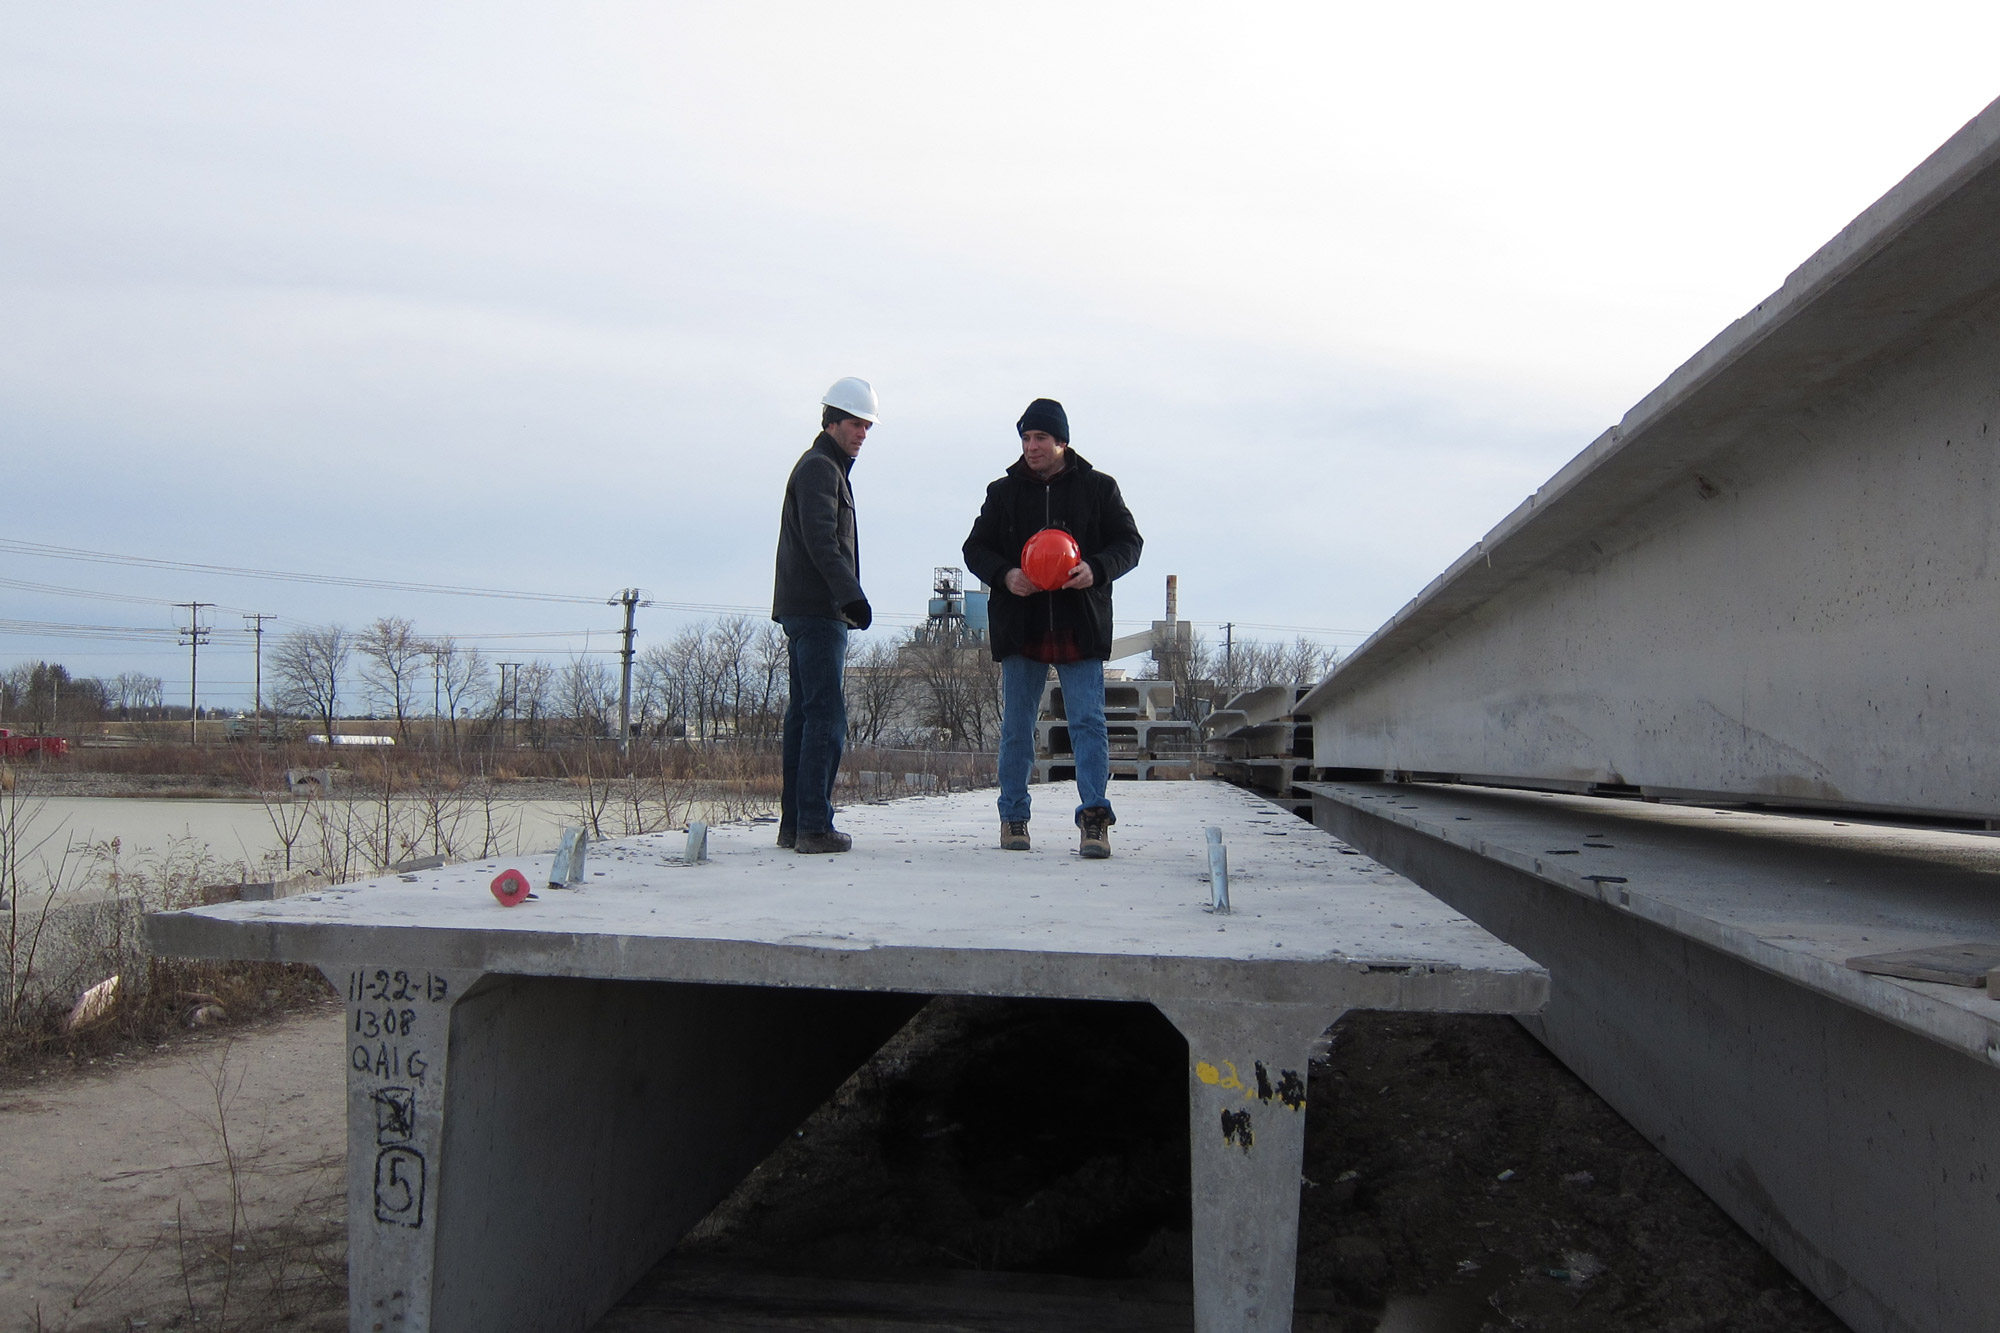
(1066, 626)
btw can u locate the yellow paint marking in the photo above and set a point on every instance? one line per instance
(1216, 1078)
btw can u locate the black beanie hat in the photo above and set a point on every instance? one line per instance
(1044, 414)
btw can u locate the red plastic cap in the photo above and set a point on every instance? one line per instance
(1048, 557)
(510, 887)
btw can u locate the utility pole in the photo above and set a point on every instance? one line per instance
(1229, 653)
(254, 622)
(510, 703)
(192, 638)
(629, 599)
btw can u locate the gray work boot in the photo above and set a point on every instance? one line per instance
(1096, 825)
(833, 840)
(788, 837)
(1013, 835)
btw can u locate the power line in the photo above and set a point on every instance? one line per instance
(48, 552)
(60, 590)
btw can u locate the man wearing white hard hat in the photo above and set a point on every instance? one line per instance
(818, 598)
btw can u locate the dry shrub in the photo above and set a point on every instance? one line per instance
(78, 918)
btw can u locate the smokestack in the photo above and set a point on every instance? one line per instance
(1173, 597)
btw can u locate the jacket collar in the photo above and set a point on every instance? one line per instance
(1076, 463)
(824, 443)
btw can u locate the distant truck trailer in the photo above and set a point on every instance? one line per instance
(351, 740)
(31, 747)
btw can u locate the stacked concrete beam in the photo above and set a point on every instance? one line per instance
(1147, 742)
(1259, 740)
(1771, 582)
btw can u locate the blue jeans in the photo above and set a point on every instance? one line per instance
(1083, 700)
(815, 721)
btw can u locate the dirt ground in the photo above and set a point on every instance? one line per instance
(1460, 1180)
(199, 1183)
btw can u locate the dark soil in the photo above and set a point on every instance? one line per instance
(1051, 1137)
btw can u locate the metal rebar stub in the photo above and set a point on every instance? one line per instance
(1218, 872)
(567, 870)
(697, 845)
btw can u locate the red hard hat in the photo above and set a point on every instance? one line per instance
(1048, 557)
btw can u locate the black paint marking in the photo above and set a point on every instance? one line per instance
(399, 1187)
(1292, 1089)
(395, 1115)
(1236, 1128)
(371, 1023)
(399, 987)
(1263, 1084)
(387, 1061)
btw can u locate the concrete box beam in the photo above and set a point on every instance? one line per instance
(1846, 1121)
(1271, 703)
(1769, 581)
(542, 1098)
(518, 1147)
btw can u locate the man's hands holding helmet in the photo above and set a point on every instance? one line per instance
(1021, 586)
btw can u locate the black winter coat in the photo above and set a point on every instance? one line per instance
(1084, 503)
(819, 551)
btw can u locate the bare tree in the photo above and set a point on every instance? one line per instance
(879, 687)
(393, 659)
(587, 695)
(136, 693)
(959, 692)
(770, 658)
(464, 676)
(729, 657)
(692, 663)
(1251, 664)
(307, 665)
(656, 689)
(534, 686)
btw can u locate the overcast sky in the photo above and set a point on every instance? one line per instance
(545, 297)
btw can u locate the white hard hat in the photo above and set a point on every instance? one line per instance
(853, 397)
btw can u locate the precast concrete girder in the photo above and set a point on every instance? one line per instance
(1847, 1121)
(543, 1098)
(521, 1149)
(1772, 580)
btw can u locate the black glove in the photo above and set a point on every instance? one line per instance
(859, 614)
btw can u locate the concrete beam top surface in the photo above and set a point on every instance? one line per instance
(1794, 895)
(926, 902)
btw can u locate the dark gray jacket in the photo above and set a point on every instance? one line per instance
(819, 552)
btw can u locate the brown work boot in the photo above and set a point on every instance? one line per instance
(1013, 835)
(833, 840)
(1096, 825)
